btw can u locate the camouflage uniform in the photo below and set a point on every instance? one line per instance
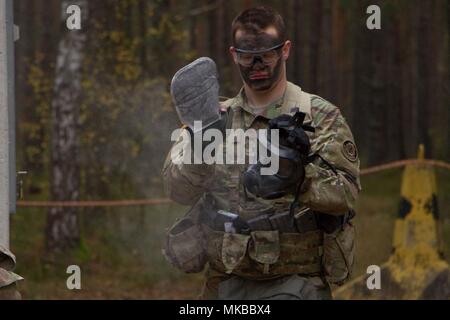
(331, 186)
(8, 279)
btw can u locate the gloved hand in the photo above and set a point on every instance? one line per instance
(198, 135)
(219, 124)
(195, 92)
(292, 132)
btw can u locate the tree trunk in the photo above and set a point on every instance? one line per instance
(62, 230)
(315, 42)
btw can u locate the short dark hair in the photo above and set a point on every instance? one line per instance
(255, 20)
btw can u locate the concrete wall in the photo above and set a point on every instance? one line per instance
(5, 116)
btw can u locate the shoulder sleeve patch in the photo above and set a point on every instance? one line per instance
(349, 151)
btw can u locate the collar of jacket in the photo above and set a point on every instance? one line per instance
(290, 100)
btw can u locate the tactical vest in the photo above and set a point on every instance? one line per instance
(262, 253)
(229, 175)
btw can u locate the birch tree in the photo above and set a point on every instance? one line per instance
(62, 230)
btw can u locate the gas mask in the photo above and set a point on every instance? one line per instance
(293, 150)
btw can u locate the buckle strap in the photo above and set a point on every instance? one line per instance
(303, 222)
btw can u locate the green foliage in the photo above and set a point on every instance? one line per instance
(34, 125)
(83, 252)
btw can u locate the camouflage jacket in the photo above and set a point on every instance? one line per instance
(332, 179)
(8, 279)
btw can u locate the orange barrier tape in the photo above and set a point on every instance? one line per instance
(402, 163)
(148, 202)
(100, 203)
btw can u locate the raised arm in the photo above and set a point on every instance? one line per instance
(332, 179)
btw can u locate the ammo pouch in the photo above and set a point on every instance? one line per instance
(185, 243)
(264, 254)
(339, 253)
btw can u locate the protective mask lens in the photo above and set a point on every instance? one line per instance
(268, 57)
(245, 59)
(248, 59)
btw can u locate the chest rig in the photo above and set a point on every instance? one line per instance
(268, 252)
(231, 192)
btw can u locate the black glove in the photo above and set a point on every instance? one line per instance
(219, 125)
(292, 132)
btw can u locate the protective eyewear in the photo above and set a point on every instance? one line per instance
(268, 56)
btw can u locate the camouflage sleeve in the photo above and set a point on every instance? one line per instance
(184, 182)
(332, 179)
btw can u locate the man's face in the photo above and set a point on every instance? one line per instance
(258, 74)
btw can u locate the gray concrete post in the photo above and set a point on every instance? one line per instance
(7, 156)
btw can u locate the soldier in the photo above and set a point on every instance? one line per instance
(8, 279)
(291, 235)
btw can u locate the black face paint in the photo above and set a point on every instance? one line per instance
(257, 42)
(273, 75)
(260, 77)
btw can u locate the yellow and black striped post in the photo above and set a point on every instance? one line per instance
(415, 270)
